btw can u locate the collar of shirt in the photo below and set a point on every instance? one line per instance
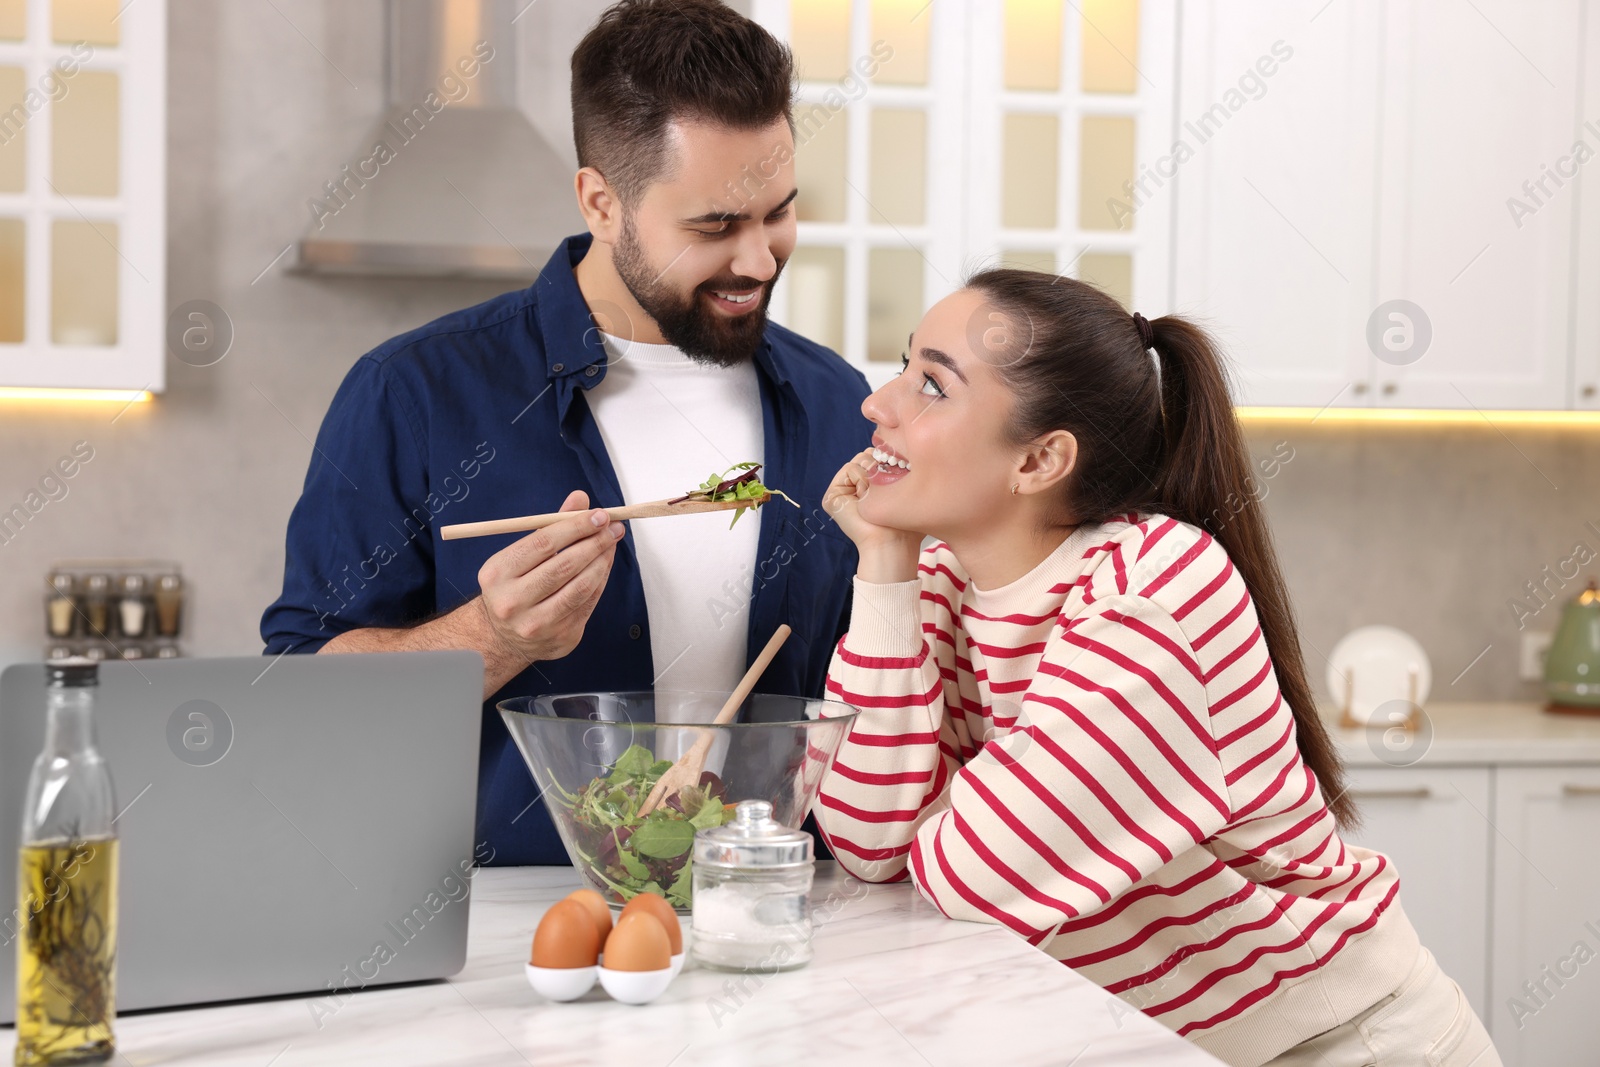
(641, 353)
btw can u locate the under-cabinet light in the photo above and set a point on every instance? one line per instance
(121, 396)
(1422, 416)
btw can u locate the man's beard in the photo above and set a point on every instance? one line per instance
(685, 321)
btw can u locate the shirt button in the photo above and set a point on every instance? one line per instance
(591, 372)
(557, 368)
(634, 631)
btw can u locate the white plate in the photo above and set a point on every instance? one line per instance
(1380, 661)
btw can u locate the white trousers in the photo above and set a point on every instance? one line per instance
(1427, 1022)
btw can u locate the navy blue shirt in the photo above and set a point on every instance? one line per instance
(481, 415)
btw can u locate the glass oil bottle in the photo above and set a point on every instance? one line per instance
(67, 885)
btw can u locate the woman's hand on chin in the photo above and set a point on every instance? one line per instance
(887, 555)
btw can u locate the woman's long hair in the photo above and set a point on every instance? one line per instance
(1164, 442)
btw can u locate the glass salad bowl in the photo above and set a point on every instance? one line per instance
(595, 757)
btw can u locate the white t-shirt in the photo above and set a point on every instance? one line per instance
(668, 422)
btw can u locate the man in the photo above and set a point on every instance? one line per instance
(638, 363)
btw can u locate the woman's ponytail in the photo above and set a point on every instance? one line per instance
(1205, 471)
(1207, 479)
(1156, 440)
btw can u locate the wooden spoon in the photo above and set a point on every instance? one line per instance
(687, 770)
(653, 510)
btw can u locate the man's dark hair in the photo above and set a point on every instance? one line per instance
(647, 63)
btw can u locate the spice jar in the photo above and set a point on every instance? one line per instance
(96, 604)
(169, 604)
(752, 893)
(59, 607)
(133, 609)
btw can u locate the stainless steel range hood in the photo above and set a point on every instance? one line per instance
(453, 180)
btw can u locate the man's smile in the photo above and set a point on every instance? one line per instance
(735, 301)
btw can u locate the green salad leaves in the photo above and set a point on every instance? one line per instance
(635, 855)
(722, 489)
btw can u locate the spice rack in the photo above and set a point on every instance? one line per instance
(114, 609)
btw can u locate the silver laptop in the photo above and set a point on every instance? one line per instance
(279, 820)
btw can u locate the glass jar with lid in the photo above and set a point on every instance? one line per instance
(60, 606)
(169, 604)
(752, 893)
(133, 606)
(97, 604)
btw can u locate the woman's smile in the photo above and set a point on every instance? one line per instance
(892, 466)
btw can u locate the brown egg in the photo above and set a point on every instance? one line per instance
(566, 937)
(651, 904)
(595, 905)
(638, 944)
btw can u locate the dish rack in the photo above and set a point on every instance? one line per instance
(1409, 724)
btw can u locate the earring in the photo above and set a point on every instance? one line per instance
(1014, 486)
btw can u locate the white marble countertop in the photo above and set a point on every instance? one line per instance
(1522, 733)
(893, 983)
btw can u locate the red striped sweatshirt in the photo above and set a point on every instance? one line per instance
(1097, 756)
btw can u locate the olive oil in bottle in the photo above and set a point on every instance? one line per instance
(66, 958)
(67, 886)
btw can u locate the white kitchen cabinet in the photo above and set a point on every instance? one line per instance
(1432, 822)
(1380, 163)
(83, 194)
(934, 140)
(1585, 190)
(1509, 831)
(1479, 99)
(1546, 917)
(1292, 169)
(1274, 234)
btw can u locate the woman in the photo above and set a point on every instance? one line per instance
(1084, 712)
